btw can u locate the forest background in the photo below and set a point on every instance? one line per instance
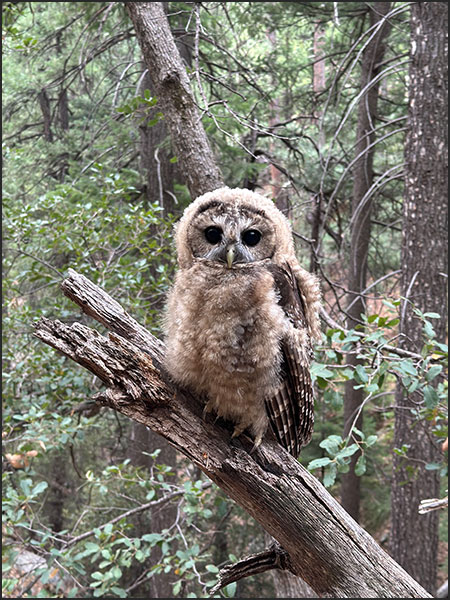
(309, 103)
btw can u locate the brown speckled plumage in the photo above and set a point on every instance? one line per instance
(239, 333)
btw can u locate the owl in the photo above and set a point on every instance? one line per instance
(242, 315)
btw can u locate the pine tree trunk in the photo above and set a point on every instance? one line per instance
(360, 232)
(414, 537)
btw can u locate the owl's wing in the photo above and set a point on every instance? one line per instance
(291, 408)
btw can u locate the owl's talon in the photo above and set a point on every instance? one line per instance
(237, 431)
(207, 409)
(257, 444)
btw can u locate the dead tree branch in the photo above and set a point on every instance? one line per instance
(318, 541)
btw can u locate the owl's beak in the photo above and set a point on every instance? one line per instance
(231, 253)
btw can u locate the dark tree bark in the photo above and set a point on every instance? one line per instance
(58, 492)
(44, 103)
(160, 174)
(360, 230)
(414, 537)
(319, 82)
(63, 110)
(316, 539)
(175, 98)
(144, 440)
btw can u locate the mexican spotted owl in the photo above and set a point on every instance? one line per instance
(242, 315)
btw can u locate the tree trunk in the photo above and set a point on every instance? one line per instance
(154, 155)
(175, 97)
(414, 537)
(319, 83)
(145, 440)
(318, 541)
(288, 585)
(58, 492)
(360, 231)
(44, 103)
(63, 109)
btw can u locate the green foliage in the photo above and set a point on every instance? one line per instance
(424, 375)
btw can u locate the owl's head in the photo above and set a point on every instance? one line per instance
(233, 227)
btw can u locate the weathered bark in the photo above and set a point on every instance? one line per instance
(414, 537)
(322, 544)
(175, 97)
(288, 585)
(360, 231)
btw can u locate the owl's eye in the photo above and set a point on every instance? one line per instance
(251, 237)
(213, 235)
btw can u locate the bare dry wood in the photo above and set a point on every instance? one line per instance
(318, 540)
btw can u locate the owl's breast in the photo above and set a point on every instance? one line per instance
(224, 332)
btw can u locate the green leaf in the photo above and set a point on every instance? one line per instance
(212, 568)
(361, 374)
(176, 588)
(405, 367)
(433, 466)
(229, 590)
(322, 383)
(320, 370)
(360, 466)
(319, 462)
(117, 572)
(358, 432)
(40, 487)
(429, 330)
(331, 444)
(329, 476)
(433, 372)
(430, 396)
(90, 548)
(392, 323)
(348, 451)
(370, 441)
(152, 538)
